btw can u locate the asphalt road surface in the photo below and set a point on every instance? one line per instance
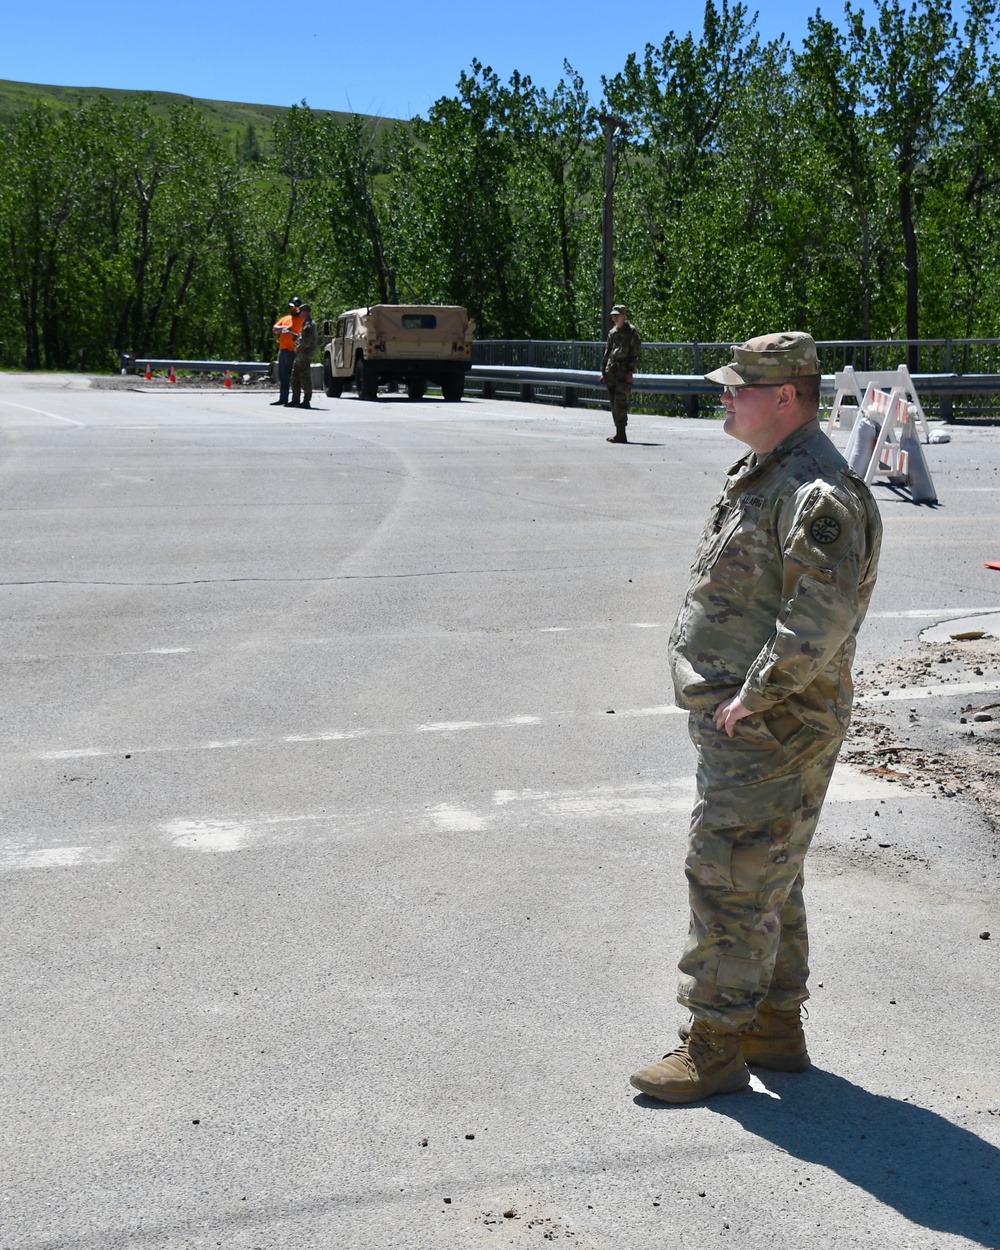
(341, 863)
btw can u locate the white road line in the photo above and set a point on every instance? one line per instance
(942, 690)
(668, 800)
(42, 412)
(944, 614)
(931, 692)
(31, 855)
(665, 709)
(459, 725)
(342, 735)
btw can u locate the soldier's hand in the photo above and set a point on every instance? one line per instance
(729, 712)
(603, 380)
(628, 378)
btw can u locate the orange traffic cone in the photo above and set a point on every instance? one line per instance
(228, 381)
(172, 376)
(149, 372)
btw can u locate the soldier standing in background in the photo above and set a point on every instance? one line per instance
(305, 349)
(622, 353)
(761, 656)
(286, 329)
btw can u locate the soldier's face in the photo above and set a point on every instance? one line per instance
(618, 319)
(754, 413)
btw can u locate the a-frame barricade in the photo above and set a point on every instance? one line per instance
(851, 388)
(884, 444)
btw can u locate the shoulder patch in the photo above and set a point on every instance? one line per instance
(825, 529)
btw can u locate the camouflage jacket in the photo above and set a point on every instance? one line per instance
(780, 585)
(307, 339)
(623, 351)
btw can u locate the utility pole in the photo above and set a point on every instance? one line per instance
(610, 124)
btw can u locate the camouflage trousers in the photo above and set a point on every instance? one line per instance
(759, 796)
(301, 379)
(618, 392)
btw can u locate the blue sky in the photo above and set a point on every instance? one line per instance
(379, 56)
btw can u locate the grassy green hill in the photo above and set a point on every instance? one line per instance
(230, 118)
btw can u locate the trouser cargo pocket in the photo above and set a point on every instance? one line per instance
(740, 833)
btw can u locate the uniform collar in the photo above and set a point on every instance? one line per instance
(800, 434)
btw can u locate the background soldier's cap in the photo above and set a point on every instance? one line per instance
(619, 308)
(295, 302)
(769, 358)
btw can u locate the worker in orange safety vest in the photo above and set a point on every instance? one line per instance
(286, 329)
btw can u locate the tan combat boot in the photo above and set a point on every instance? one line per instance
(776, 1041)
(708, 1062)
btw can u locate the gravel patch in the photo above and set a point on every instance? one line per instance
(909, 728)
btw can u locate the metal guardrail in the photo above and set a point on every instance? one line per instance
(961, 356)
(690, 386)
(590, 379)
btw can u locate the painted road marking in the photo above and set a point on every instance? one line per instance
(42, 412)
(341, 735)
(31, 855)
(931, 613)
(943, 690)
(931, 692)
(459, 725)
(943, 615)
(669, 800)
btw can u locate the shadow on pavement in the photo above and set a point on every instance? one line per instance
(929, 1170)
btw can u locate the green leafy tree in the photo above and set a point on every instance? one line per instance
(891, 97)
(39, 185)
(349, 256)
(960, 293)
(675, 102)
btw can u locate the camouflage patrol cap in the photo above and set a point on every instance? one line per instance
(769, 358)
(619, 308)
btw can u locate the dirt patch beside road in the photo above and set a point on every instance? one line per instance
(932, 721)
(189, 381)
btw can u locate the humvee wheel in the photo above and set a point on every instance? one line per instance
(365, 380)
(415, 387)
(334, 387)
(453, 387)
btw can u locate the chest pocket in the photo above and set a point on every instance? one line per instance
(737, 554)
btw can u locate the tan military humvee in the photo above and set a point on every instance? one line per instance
(416, 344)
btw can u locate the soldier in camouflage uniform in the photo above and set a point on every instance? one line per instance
(761, 656)
(622, 353)
(305, 350)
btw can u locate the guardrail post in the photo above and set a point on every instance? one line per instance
(691, 401)
(569, 397)
(946, 409)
